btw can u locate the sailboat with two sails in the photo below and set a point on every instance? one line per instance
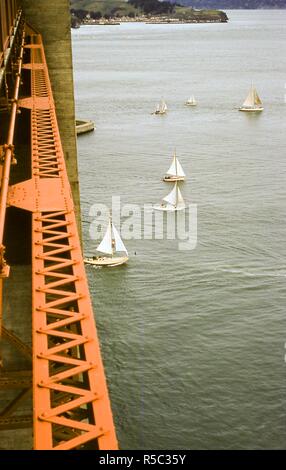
(175, 172)
(161, 108)
(252, 103)
(191, 101)
(111, 246)
(173, 202)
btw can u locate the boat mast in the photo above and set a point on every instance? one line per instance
(111, 233)
(177, 194)
(176, 166)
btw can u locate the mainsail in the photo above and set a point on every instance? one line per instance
(106, 244)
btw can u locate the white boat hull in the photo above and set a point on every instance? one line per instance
(169, 208)
(105, 261)
(251, 110)
(190, 104)
(173, 179)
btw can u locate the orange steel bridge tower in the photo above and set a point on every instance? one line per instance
(52, 386)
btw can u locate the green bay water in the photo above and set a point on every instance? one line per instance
(192, 341)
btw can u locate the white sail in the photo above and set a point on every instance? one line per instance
(119, 245)
(106, 244)
(172, 197)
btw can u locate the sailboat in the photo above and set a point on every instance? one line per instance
(110, 245)
(161, 108)
(252, 103)
(173, 202)
(191, 101)
(175, 172)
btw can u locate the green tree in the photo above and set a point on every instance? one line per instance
(95, 15)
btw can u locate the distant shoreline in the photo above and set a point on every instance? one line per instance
(150, 22)
(179, 15)
(118, 21)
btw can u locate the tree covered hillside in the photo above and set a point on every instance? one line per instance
(233, 4)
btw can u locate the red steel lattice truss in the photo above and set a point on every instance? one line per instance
(71, 403)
